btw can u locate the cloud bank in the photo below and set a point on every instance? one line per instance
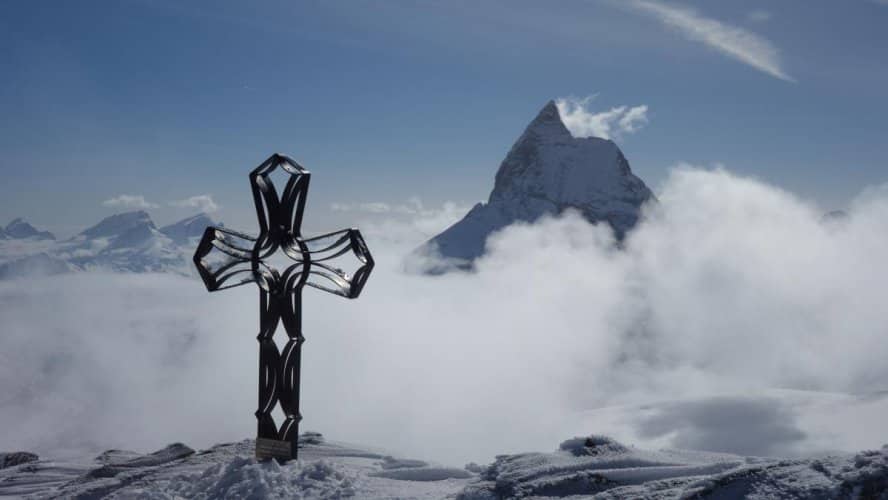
(129, 201)
(612, 124)
(735, 42)
(729, 287)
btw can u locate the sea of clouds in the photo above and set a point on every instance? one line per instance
(734, 318)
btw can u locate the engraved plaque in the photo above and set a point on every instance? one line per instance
(272, 448)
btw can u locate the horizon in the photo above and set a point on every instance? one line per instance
(575, 232)
(185, 115)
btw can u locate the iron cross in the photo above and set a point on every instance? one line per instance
(226, 258)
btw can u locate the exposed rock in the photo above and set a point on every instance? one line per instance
(547, 171)
(16, 458)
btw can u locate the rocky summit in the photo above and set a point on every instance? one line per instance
(547, 171)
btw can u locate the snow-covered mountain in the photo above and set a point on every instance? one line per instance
(592, 467)
(185, 230)
(547, 171)
(20, 229)
(128, 242)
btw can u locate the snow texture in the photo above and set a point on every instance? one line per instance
(583, 467)
(229, 471)
(126, 242)
(597, 467)
(547, 171)
(19, 229)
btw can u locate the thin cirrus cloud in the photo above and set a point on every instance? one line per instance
(758, 16)
(412, 206)
(202, 202)
(129, 201)
(732, 41)
(613, 123)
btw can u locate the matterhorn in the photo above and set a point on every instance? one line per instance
(547, 171)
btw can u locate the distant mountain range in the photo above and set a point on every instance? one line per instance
(127, 242)
(19, 229)
(547, 171)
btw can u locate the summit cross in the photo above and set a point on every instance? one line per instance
(226, 258)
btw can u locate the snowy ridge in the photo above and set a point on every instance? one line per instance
(547, 171)
(186, 230)
(597, 467)
(19, 229)
(590, 467)
(126, 242)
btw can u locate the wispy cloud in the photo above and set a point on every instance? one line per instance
(374, 207)
(202, 202)
(735, 42)
(129, 201)
(758, 15)
(413, 206)
(613, 123)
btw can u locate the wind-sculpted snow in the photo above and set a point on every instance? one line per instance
(594, 467)
(229, 471)
(607, 470)
(244, 477)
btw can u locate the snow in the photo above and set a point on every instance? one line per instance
(619, 472)
(547, 171)
(19, 229)
(188, 231)
(582, 467)
(244, 477)
(127, 242)
(324, 470)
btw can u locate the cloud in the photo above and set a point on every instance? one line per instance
(758, 16)
(202, 202)
(727, 286)
(582, 122)
(735, 42)
(375, 207)
(129, 201)
(413, 206)
(757, 425)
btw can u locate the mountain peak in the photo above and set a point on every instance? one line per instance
(18, 229)
(547, 171)
(117, 224)
(181, 232)
(548, 122)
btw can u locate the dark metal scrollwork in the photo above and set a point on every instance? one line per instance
(226, 258)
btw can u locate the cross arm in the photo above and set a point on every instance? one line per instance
(327, 254)
(224, 258)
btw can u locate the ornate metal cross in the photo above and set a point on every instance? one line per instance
(226, 258)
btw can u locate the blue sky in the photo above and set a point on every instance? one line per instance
(386, 101)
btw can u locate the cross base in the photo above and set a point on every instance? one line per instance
(267, 449)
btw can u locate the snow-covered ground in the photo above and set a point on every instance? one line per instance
(585, 467)
(324, 470)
